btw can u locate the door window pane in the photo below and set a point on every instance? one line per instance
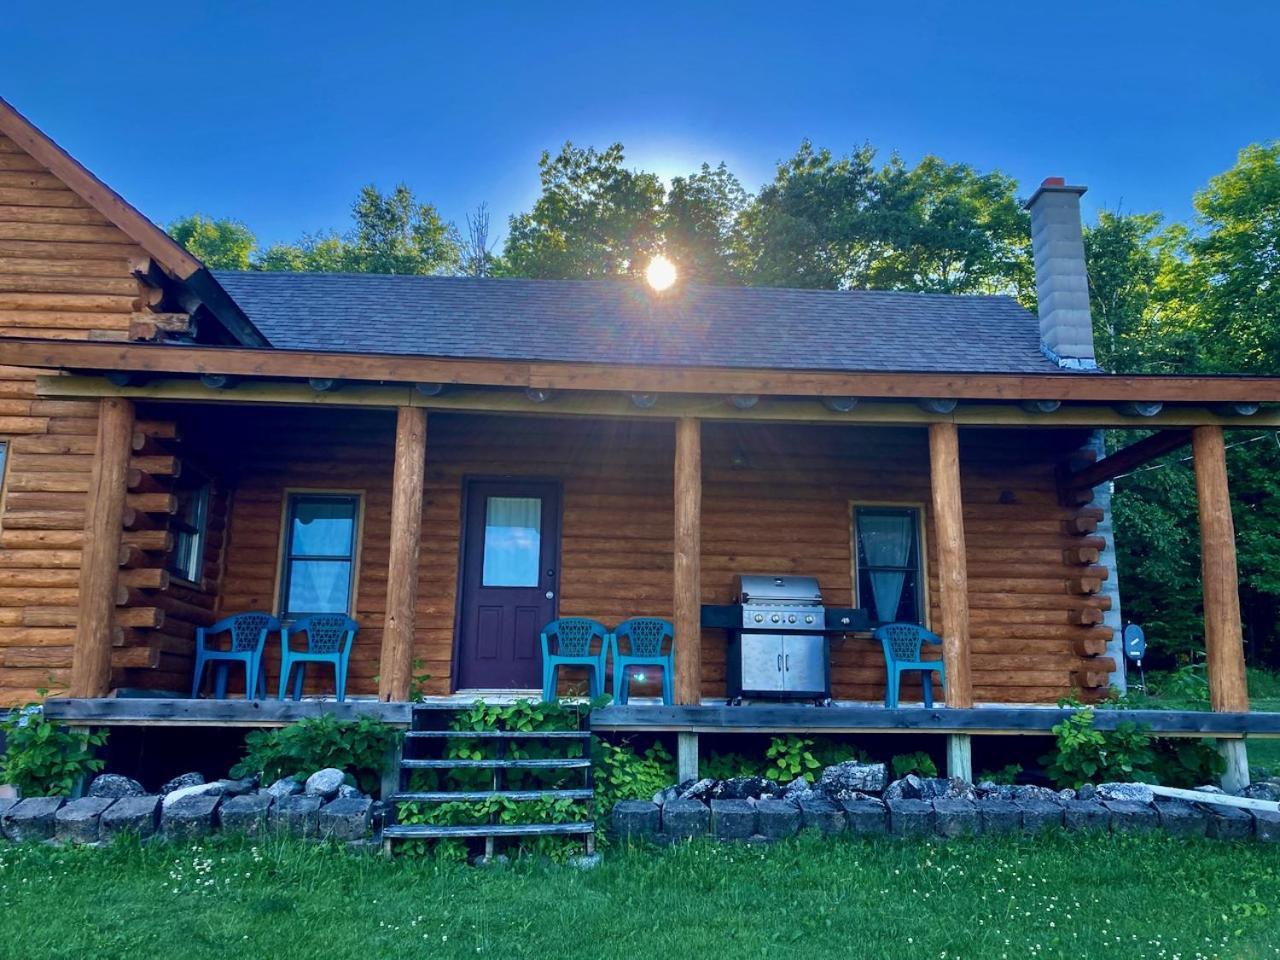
(319, 561)
(512, 541)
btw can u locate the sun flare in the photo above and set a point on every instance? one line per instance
(660, 273)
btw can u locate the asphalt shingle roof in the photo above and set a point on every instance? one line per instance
(623, 322)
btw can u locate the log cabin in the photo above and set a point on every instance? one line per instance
(169, 433)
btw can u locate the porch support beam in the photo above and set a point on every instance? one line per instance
(1127, 459)
(1223, 637)
(687, 581)
(396, 667)
(953, 574)
(100, 553)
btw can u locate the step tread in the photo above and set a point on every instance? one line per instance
(446, 796)
(542, 763)
(499, 734)
(416, 831)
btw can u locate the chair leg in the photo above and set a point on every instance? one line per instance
(895, 681)
(548, 682)
(337, 680)
(926, 678)
(196, 676)
(220, 681)
(621, 685)
(250, 680)
(668, 694)
(298, 679)
(286, 667)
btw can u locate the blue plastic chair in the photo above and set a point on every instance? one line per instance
(248, 640)
(645, 639)
(901, 642)
(329, 639)
(573, 640)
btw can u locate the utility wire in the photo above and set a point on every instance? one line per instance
(1239, 443)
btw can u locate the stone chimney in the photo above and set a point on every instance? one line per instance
(1062, 286)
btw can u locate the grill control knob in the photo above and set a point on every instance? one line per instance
(759, 618)
(791, 618)
(775, 618)
(808, 618)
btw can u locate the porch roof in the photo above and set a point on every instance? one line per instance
(623, 322)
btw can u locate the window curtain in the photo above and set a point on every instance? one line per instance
(512, 541)
(886, 542)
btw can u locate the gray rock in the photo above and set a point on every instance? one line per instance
(193, 792)
(635, 820)
(325, 783)
(684, 819)
(800, 785)
(777, 819)
(746, 788)
(997, 791)
(238, 788)
(1030, 792)
(1089, 814)
(910, 818)
(248, 813)
(298, 816)
(819, 813)
(348, 792)
(1086, 791)
(135, 815)
(114, 785)
(1266, 825)
(586, 861)
(192, 779)
(1038, 815)
(1129, 816)
(284, 787)
(909, 787)
(698, 790)
(1228, 823)
(346, 818)
(31, 819)
(866, 817)
(77, 822)
(189, 819)
(841, 781)
(999, 816)
(955, 818)
(733, 819)
(1131, 792)
(1181, 818)
(665, 795)
(1263, 790)
(6, 804)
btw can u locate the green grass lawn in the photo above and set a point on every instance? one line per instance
(1059, 896)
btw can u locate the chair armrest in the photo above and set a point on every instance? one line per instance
(931, 637)
(546, 646)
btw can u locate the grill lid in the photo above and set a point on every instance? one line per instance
(765, 588)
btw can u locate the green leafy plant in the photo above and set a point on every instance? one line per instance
(623, 774)
(790, 757)
(358, 747)
(1187, 763)
(726, 766)
(1083, 753)
(42, 758)
(1188, 682)
(919, 763)
(1009, 773)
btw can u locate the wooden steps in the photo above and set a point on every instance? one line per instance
(424, 745)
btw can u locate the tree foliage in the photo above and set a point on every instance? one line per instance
(219, 244)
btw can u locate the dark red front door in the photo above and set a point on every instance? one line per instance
(510, 558)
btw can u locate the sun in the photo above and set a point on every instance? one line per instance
(660, 273)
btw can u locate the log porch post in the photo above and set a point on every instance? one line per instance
(1223, 637)
(687, 582)
(396, 666)
(100, 555)
(953, 583)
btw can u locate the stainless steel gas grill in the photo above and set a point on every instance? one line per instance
(779, 633)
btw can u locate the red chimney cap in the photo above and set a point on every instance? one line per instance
(1052, 185)
(1053, 182)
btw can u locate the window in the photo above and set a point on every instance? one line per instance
(319, 553)
(186, 559)
(889, 574)
(512, 541)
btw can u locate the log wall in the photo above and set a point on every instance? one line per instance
(775, 498)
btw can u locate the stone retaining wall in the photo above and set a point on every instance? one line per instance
(765, 820)
(100, 819)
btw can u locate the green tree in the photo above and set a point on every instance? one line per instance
(221, 244)
(700, 223)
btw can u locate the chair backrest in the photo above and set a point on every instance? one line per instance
(645, 636)
(901, 641)
(247, 629)
(326, 632)
(574, 635)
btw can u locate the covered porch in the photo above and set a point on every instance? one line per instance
(663, 495)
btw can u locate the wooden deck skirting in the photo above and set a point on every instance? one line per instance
(705, 718)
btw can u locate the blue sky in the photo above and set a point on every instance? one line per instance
(276, 113)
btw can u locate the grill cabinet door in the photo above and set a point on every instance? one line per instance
(804, 664)
(762, 662)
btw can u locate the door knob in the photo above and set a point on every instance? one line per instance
(551, 595)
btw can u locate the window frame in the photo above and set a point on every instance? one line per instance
(6, 455)
(290, 496)
(922, 555)
(199, 530)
